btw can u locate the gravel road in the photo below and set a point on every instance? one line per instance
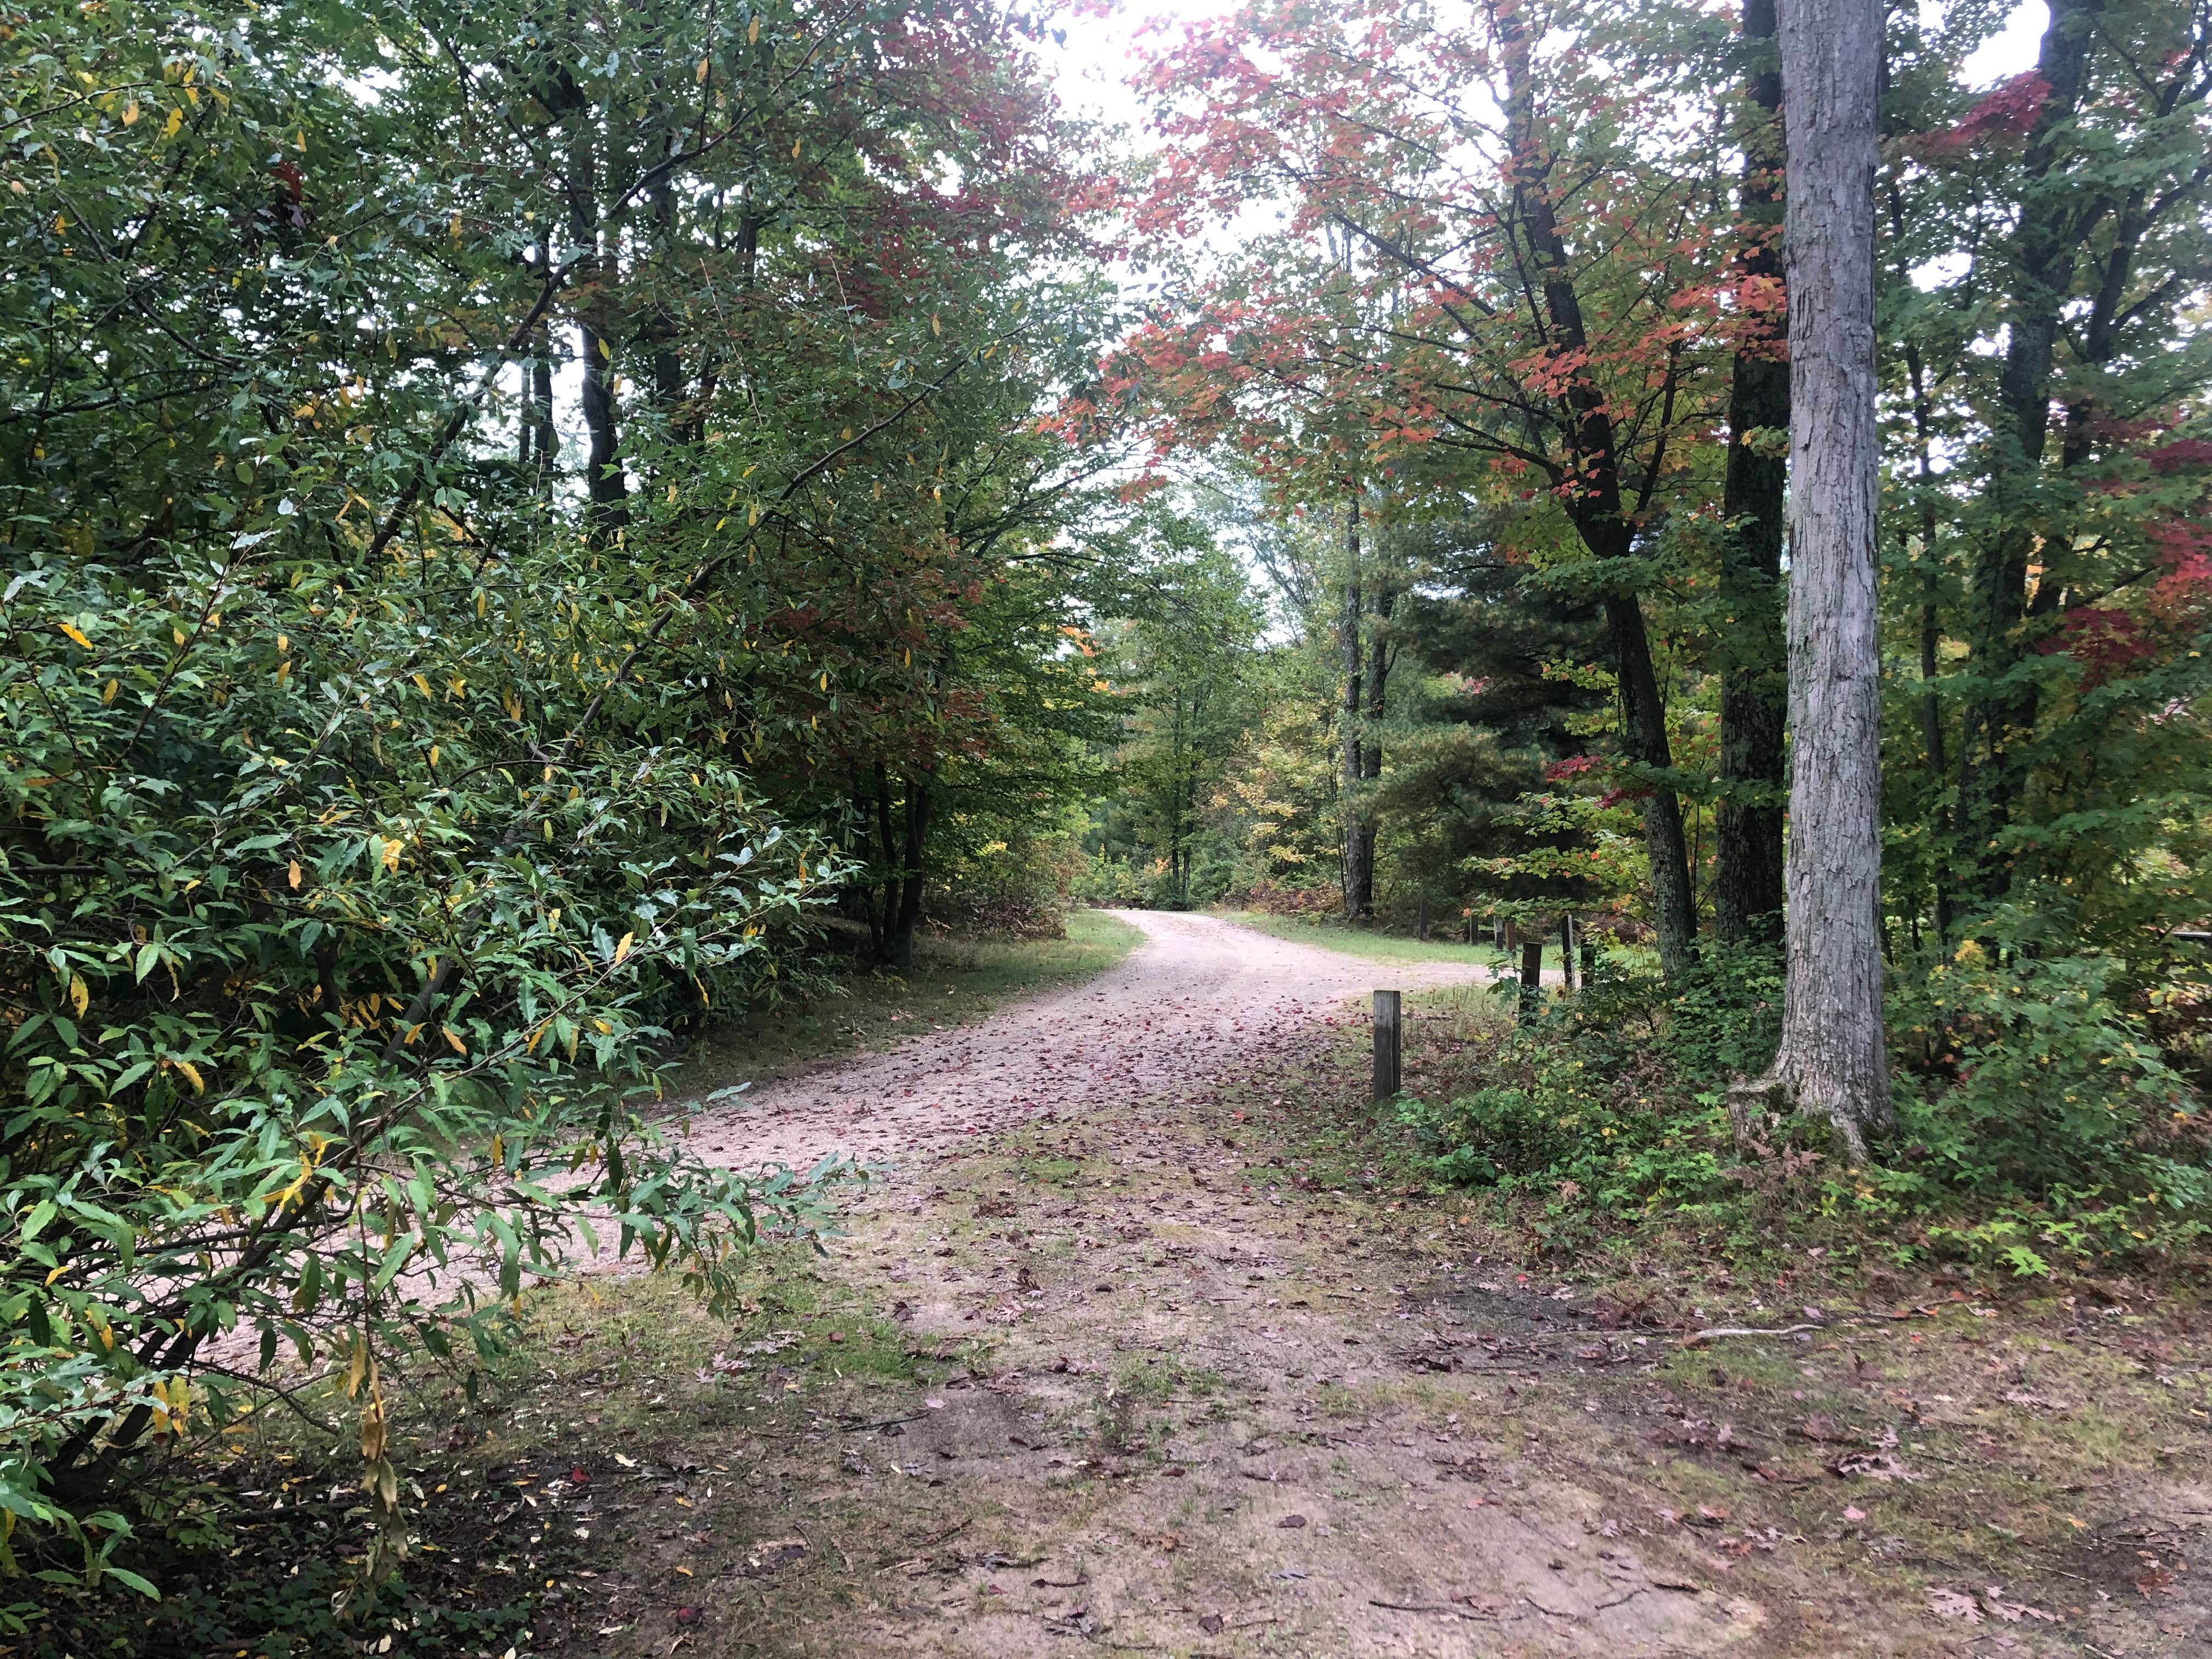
(1199, 995)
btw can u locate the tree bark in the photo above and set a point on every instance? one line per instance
(920, 807)
(1378, 686)
(1531, 1001)
(604, 481)
(1832, 1063)
(1358, 880)
(1754, 669)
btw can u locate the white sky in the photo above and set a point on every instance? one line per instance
(1092, 67)
(1092, 71)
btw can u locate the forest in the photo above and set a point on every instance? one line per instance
(540, 538)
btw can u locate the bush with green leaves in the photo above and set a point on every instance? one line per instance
(335, 997)
(2039, 1125)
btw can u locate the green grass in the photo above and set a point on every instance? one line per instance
(951, 982)
(1376, 947)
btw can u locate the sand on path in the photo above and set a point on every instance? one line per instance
(1200, 996)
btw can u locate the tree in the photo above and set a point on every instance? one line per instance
(1748, 875)
(1182, 671)
(382, 801)
(1534, 314)
(1832, 1062)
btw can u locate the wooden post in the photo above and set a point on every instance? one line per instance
(1531, 978)
(1567, 950)
(1386, 1044)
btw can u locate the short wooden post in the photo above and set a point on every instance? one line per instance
(1386, 1044)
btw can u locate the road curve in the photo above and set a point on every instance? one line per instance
(1199, 996)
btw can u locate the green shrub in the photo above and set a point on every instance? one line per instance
(2038, 1123)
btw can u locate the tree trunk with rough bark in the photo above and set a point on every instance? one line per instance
(1832, 1063)
(1754, 669)
(1359, 879)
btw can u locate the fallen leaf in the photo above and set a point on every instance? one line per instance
(1950, 1604)
(1292, 1520)
(1873, 1466)
(2013, 1612)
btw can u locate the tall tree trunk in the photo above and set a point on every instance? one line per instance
(1358, 881)
(602, 473)
(1599, 515)
(2047, 245)
(1832, 1063)
(1754, 671)
(1377, 688)
(920, 806)
(1931, 624)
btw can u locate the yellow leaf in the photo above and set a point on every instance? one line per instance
(457, 227)
(108, 693)
(58, 1273)
(70, 629)
(752, 34)
(458, 1047)
(422, 685)
(434, 753)
(169, 128)
(391, 856)
(79, 996)
(935, 326)
(130, 113)
(686, 1572)
(795, 143)
(702, 75)
(623, 949)
(191, 1073)
(294, 874)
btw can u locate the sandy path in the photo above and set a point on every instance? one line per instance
(1199, 996)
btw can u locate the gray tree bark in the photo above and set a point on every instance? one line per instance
(1747, 879)
(1359, 877)
(1832, 1063)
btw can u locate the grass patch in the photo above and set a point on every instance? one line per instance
(1376, 947)
(953, 981)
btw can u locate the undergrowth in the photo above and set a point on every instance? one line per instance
(2041, 1129)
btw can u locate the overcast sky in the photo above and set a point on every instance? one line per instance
(1092, 67)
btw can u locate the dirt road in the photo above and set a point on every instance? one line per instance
(1199, 996)
(1142, 1349)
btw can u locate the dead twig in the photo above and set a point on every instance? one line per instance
(1444, 1607)
(1743, 1330)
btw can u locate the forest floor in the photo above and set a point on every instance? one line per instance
(1142, 1342)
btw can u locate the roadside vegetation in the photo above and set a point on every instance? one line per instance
(564, 563)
